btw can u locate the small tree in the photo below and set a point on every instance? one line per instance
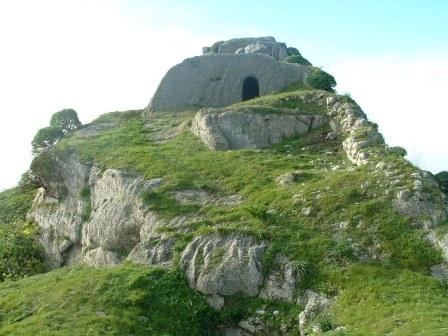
(66, 119)
(442, 180)
(319, 79)
(397, 151)
(45, 139)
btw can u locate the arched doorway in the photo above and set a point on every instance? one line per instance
(250, 88)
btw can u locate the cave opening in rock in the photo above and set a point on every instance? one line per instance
(250, 88)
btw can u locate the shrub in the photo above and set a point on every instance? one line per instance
(442, 180)
(46, 170)
(15, 203)
(66, 119)
(397, 151)
(325, 322)
(20, 253)
(319, 79)
(297, 59)
(45, 139)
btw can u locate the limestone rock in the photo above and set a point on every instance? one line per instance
(101, 258)
(102, 236)
(427, 209)
(281, 283)
(216, 302)
(60, 220)
(224, 265)
(117, 210)
(203, 197)
(153, 252)
(440, 241)
(250, 45)
(288, 179)
(222, 129)
(217, 80)
(440, 271)
(314, 303)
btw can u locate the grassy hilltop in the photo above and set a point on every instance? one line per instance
(335, 222)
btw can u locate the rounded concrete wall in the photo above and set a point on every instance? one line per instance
(217, 80)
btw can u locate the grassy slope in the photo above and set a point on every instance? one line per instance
(15, 203)
(126, 300)
(397, 283)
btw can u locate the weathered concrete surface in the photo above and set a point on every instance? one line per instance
(217, 80)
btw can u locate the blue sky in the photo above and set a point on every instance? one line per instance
(98, 56)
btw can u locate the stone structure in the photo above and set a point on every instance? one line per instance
(233, 71)
(250, 45)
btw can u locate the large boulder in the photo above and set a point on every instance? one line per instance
(224, 264)
(100, 218)
(248, 127)
(251, 45)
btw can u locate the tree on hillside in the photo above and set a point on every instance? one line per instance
(442, 179)
(66, 119)
(319, 79)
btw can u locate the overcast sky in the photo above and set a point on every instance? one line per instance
(108, 55)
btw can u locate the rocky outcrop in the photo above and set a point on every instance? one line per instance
(424, 202)
(359, 134)
(217, 80)
(60, 219)
(224, 264)
(440, 241)
(250, 45)
(248, 127)
(258, 127)
(153, 251)
(314, 303)
(282, 282)
(98, 221)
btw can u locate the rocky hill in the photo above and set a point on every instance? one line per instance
(280, 215)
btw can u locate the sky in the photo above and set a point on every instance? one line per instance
(98, 56)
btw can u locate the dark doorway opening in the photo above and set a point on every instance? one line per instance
(250, 88)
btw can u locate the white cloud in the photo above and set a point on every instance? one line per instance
(100, 56)
(80, 54)
(406, 97)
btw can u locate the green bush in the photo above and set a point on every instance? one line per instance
(319, 79)
(66, 119)
(45, 139)
(397, 151)
(297, 59)
(15, 203)
(47, 170)
(442, 180)
(20, 253)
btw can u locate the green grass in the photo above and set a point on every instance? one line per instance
(331, 192)
(290, 99)
(125, 300)
(336, 224)
(378, 300)
(15, 203)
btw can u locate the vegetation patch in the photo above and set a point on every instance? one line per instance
(122, 300)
